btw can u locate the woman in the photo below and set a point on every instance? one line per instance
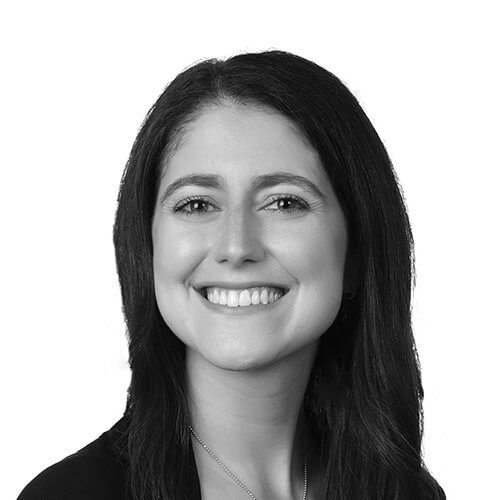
(265, 259)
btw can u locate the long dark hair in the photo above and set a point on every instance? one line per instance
(363, 403)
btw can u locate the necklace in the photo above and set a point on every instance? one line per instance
(219, 461)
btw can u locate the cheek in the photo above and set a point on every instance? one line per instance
(326, 265)
(316, 259)
(176, 253)
(314, 256)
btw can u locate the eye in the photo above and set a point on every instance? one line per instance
(196, 203)
(285, 201)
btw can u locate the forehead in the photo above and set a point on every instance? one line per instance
(236, 140)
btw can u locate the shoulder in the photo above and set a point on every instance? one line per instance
(95, 472)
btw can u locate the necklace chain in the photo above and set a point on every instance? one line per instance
(219, 461)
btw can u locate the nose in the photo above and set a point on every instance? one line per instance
(238, 238)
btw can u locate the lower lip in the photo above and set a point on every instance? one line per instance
(240, 310)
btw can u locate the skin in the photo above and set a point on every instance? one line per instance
(247, 374)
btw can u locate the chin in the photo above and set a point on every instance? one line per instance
(236, 360)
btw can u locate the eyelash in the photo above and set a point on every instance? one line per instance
(302, 204)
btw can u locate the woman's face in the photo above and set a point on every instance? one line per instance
(243, 204)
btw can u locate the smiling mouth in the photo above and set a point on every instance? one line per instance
(203, 291)
(255, 298)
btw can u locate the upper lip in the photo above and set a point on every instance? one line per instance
(238, 286)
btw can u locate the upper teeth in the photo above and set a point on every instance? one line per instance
(246, 297)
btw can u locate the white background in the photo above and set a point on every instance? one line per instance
(77, 80)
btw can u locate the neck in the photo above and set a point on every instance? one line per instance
(252, 421)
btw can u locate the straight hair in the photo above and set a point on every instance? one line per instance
(363, 402)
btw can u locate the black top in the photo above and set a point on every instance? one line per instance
(98, 472)
(95, 472)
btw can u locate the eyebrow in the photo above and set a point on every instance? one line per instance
(258, 183)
